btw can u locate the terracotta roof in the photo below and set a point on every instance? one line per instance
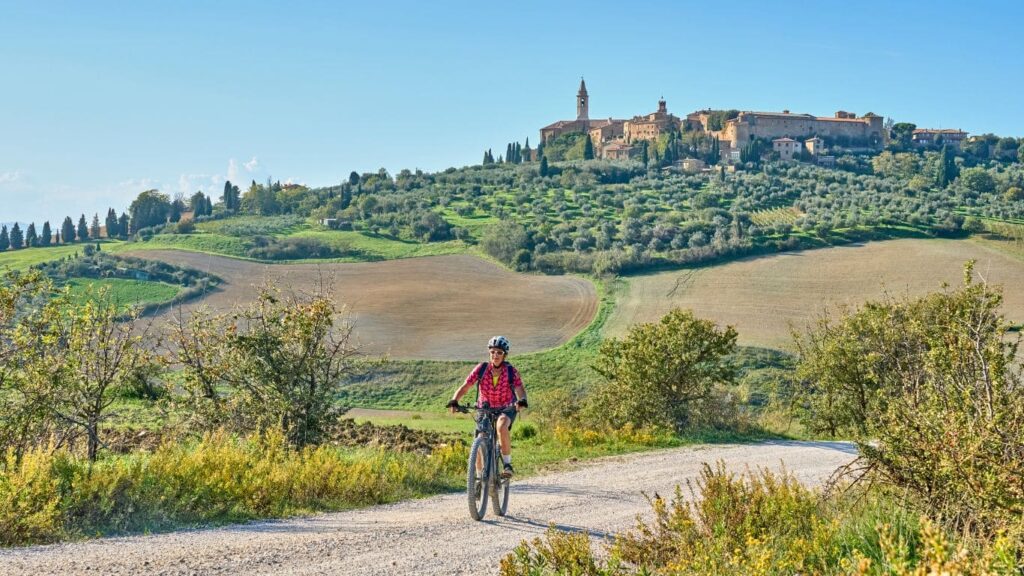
(783, 140)
(779, 114)
(560, 124)
(939, 131)
(617, 146)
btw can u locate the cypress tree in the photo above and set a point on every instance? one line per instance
(122, 225)
(83, 229)
(526, 150)
(67, 230)
(111, 222)
(509, 154)
(543, 166)
(94, 228)
(484, 161)
(31, 238)
(5, 240)
(17, 239)
(588, 148)
(947, 168)
(46, 238)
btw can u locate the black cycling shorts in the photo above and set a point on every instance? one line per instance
(481, 418)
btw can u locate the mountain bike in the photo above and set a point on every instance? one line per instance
(487, 481)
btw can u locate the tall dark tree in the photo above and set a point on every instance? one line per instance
(5, 239)
(122, 225)
(83, 229)
(151, 208)
(198, 204)
(232, 196)
(31, 238)
(543, 166)
(67, 230)
(526, 150)
(353, 178)
(46, 238)
(94, 227)
(510, 154)
(947, 168)
(176, 209)
(588, 148)
(111, 222)
(17, 238)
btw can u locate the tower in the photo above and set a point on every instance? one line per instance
(662, 108)
(582, 102)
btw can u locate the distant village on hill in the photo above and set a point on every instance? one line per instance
(788, 135)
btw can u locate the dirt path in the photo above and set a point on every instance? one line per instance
(430, 536)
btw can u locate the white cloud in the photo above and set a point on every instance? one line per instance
(252, 165)
(10, 177)
(232, 169)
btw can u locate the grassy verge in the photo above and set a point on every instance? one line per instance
(763, 523)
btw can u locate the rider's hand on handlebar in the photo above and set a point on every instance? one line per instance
(453, 406)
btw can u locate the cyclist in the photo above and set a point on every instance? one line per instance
(500, 386)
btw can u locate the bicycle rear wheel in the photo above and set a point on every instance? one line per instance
(477, 485)
(499, 495)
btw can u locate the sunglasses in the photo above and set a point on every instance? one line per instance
(496, 350)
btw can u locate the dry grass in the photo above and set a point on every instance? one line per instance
(442, 307)
(763, 297)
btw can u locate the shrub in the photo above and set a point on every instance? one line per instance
(931, 389)
(661, 375)
(766, 523)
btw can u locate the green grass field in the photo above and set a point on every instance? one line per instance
(125, 293)
(26, 257)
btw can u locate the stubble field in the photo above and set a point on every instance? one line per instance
(763, 297)
(441, 308)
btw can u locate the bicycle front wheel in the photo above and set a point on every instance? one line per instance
(477, 482)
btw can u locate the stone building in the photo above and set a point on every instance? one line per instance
(930, 137)
(602, 131)
(619, 150)
(580, 124)
(786, 148)
(814, 145)
(650, 126)
(866, 131)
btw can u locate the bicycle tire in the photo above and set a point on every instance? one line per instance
(477, 507)
(499, 496)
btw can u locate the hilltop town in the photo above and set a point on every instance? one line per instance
(786, 134)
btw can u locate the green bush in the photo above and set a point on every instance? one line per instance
(663, 375)
(932, 391)
(524, 432)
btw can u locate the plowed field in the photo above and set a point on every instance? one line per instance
(443, 307)
(763, 297)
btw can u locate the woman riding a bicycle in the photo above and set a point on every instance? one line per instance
(500, 386)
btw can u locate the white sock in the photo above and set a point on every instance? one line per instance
(507, 458)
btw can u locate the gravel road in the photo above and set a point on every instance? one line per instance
(429, 536)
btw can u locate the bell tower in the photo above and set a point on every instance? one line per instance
(582, 102)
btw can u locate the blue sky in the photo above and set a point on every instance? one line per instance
(102, 100)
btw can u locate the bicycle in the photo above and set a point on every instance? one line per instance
(486, 482)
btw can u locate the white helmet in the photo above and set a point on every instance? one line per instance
(499, 342)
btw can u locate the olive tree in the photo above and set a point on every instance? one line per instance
(278, 362)
(931, 390)
(661, 374)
